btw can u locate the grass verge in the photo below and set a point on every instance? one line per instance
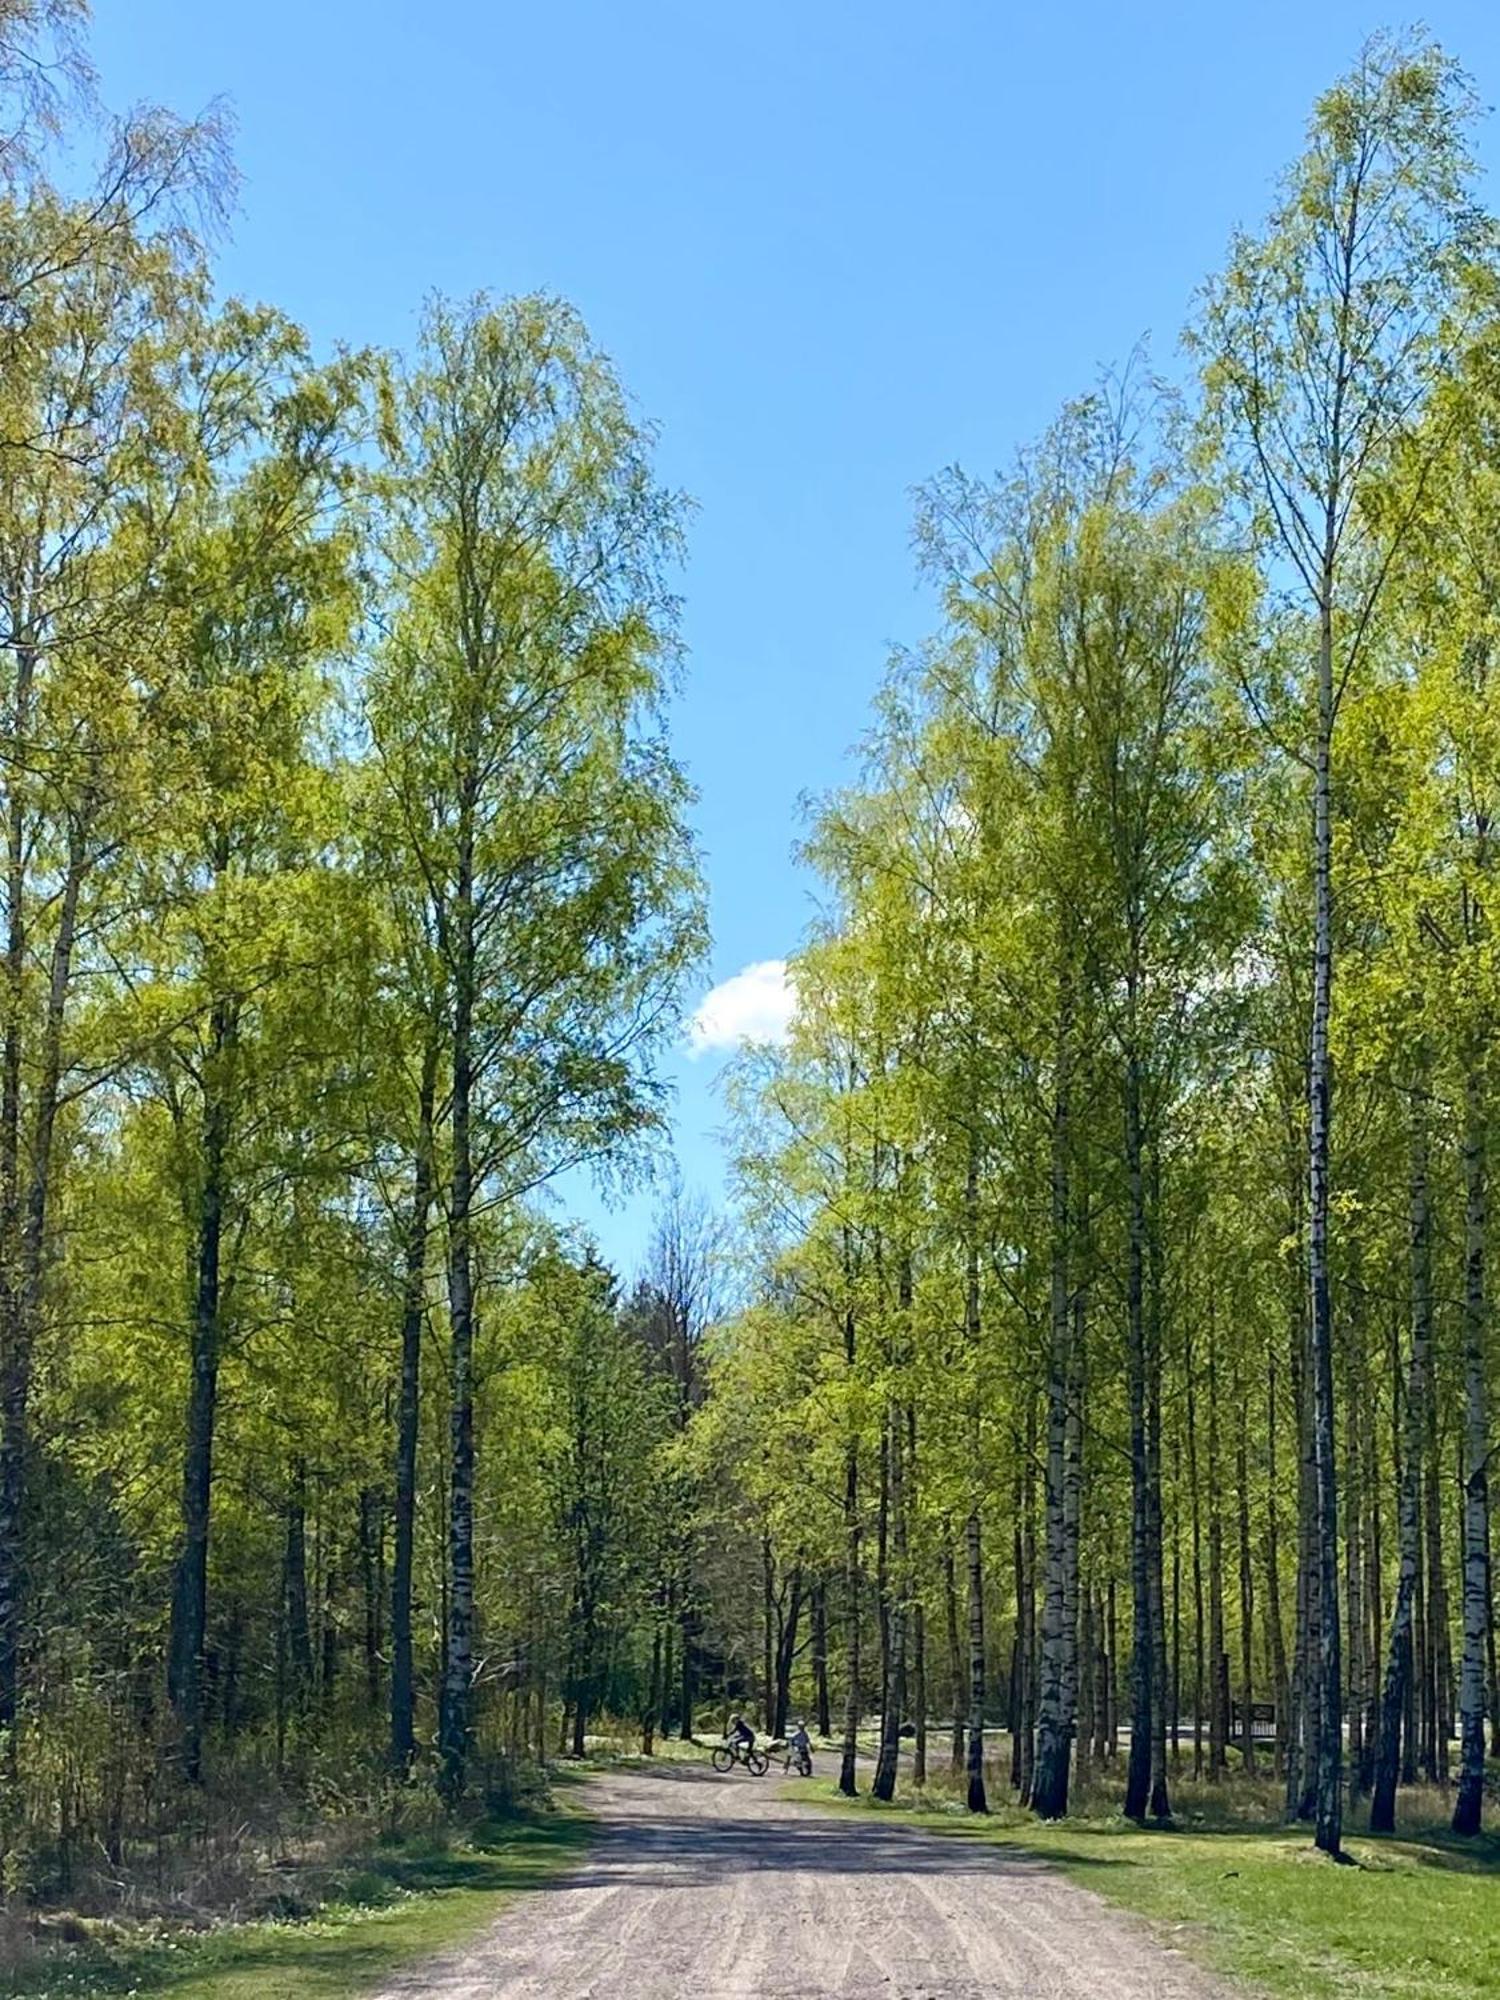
(1415, 1919)
(624, 1753)
(403, 1904)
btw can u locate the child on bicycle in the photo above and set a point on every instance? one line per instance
(739, 1735)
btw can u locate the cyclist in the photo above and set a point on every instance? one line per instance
(739, 1736)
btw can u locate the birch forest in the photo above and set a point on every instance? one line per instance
(1083, 1400)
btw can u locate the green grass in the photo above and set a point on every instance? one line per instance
(623, 1752)
(403, 1904)
(1416, 1919)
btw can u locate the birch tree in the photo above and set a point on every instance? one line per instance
(514, 715)
(1322, 342)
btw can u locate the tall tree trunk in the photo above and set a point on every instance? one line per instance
(1468, 1809)
(1086, 1737)
(1493, 1647)
(1174, 1726)
(578, 1740)
(686, 1691)
(329, 1653)
(852, 1701)
(1049, 1791)
(298, 1621)
(973, 1532)
(1439, 1643)
(1328, 1663)
(652, 1703)
(917, 1616)
(1073, 1519)
(1111, 1674)
(15, 1334)
(1197, 1508)
(919, 1694)
(21, 1286)
(1199, 1627)
(1104, 1673)
(1161, 1805)
(189, 1624)
(455, 1722)
(1398, 1668)
(1416, 1679)
(1354, 1563)
(973, 1548)
(1275, 1630)
(668, 1666)
(408, 1416)
(371, 1550)
(1142, 1662)
(768, 1642)
(234, 1653)
(786, 1649)
(1017, 1699)
(884, 1786)
(882, 1578)
(1218, 1721)
(955, 1656)
(1247, 1602)
(897, 1449)
(1025, 1723)
(1303, 1723)
(824, 1715)
(1373, 1609)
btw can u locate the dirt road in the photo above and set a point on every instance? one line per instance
(703, 1888)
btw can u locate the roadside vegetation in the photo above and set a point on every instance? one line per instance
(319, 1919)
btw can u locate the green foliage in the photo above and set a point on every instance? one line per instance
(334, 689)
(348, 901)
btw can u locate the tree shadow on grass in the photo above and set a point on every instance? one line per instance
(498, 1854)
(1424, 1845)
(1437, 1848)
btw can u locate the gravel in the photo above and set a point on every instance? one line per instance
(707, 1888)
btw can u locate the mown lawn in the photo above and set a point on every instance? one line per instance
(403, 1905)
(1416, 1919)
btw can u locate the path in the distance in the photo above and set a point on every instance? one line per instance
(698, 1887)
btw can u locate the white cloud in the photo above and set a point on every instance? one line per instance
(756, 1005)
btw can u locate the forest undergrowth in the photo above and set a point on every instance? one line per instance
(339, 1867)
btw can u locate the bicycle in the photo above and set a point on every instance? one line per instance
(792, 1759)
(727, 1755)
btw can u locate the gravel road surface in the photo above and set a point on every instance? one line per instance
(706, 1888)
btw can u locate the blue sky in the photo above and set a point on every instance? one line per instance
(831, 250)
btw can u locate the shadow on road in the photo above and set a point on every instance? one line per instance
(686, 1850)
